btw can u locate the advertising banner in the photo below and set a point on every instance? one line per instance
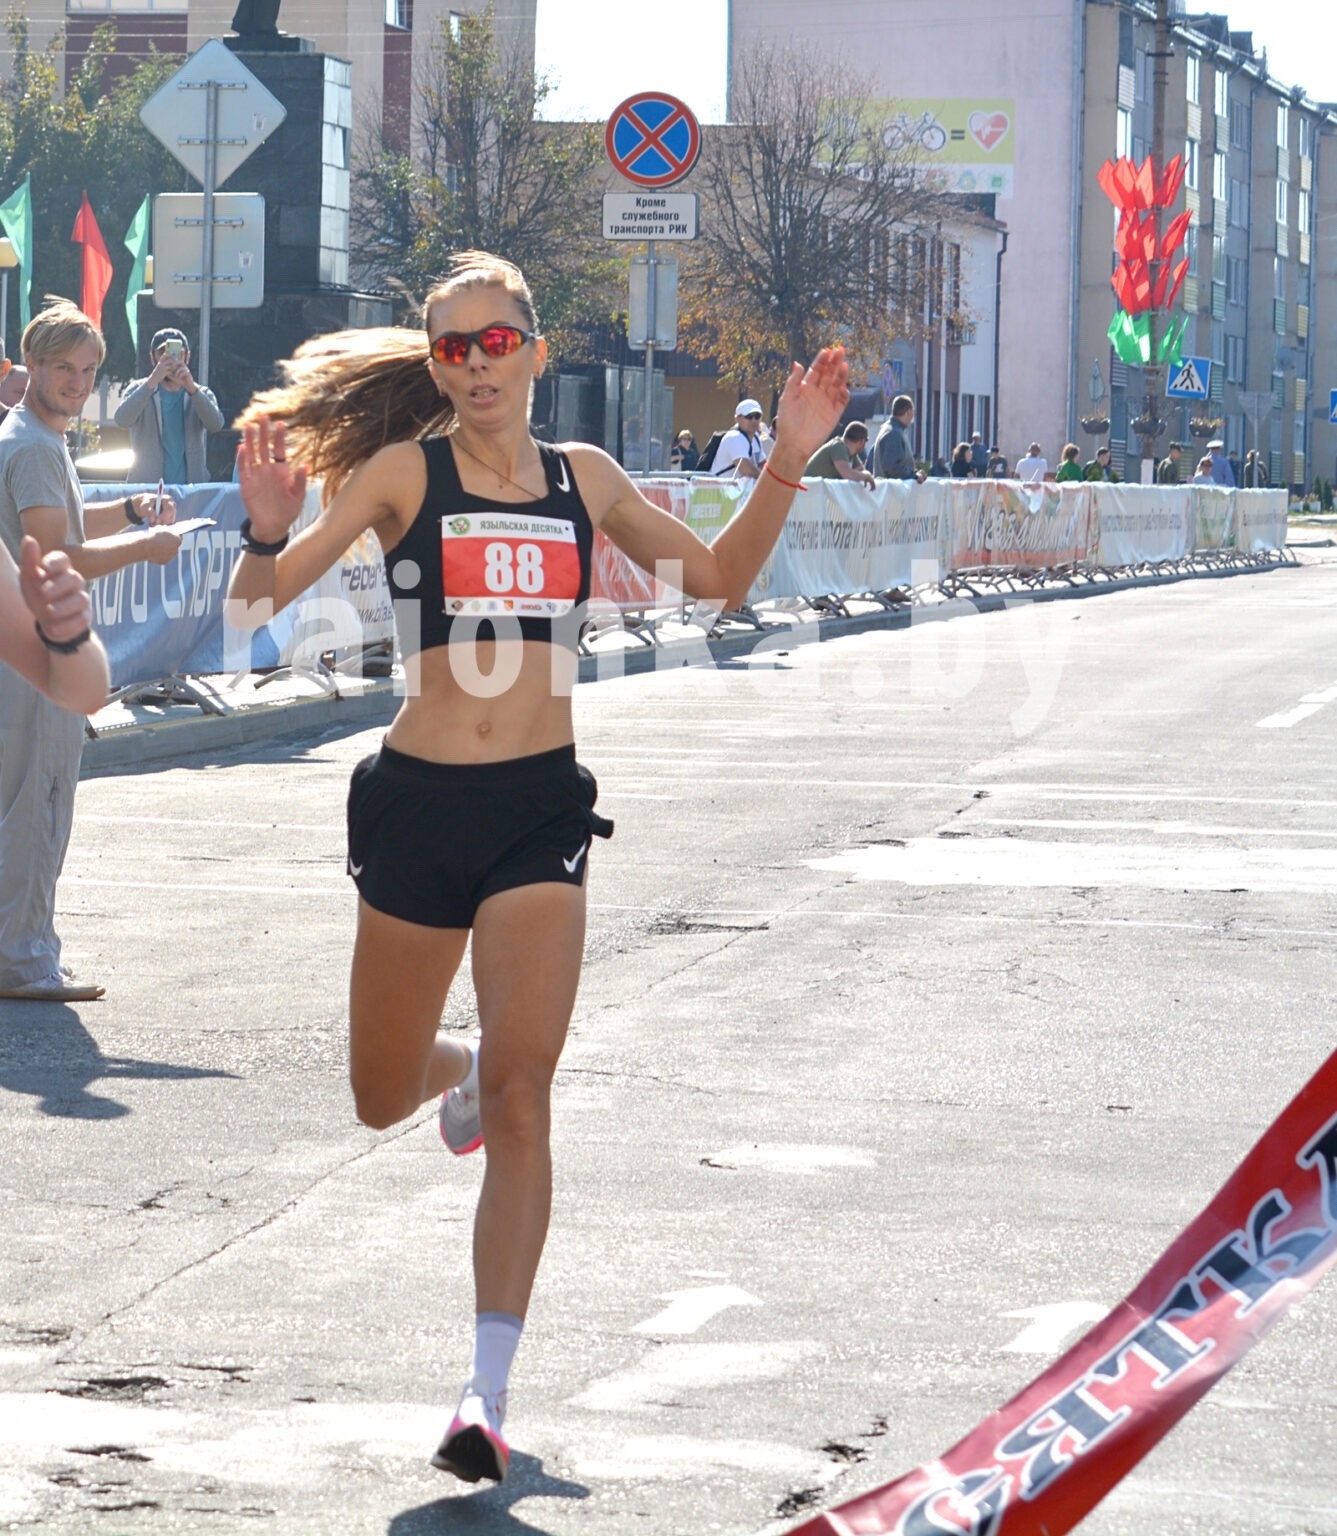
(848, 538)
(160, 621)
(617, 581)
(1214, 509)
(1040, 1464)
(1260, 521)
(1005, 523)
(967, 144)
(1142, 524)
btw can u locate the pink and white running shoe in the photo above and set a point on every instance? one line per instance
(474, 1447)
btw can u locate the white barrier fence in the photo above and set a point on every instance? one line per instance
(842, 540)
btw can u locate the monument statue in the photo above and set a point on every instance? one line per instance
(256, 16)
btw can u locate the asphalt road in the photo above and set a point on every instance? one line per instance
(934, 975)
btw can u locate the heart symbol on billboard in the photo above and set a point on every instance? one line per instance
(987, 128)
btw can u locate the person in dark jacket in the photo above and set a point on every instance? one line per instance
(893, 451)
(963, 467)
(1254, 474)
(1100, 467)
(1167, 471)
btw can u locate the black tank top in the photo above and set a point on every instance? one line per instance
(505, 568)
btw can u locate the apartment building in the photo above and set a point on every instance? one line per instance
(1070, 86)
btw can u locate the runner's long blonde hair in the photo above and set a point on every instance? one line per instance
(348, 393)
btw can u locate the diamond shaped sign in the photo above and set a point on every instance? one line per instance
(177, 114)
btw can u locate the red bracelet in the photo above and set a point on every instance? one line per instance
(792, 484)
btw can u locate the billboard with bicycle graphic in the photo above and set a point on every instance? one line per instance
(969, 143)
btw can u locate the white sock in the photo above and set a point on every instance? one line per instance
(496, 1338)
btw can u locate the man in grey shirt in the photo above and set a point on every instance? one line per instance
(40, 743)
(893, 452)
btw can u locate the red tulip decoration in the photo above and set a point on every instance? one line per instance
(1147, 278)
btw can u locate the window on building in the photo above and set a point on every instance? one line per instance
(1190, 163)
(953, 254)
(1141, 76)
(1283, 202)
(1222, 85)
(1218, 343)
(1219, 177)
(1191, 249)
(399, 13)
(1278, 277)
(1307, 130)
(455, 22)
(1302, 211)
(1237, 203)
(1234, 359)
(1193, 84)
(1123, 134)
(1283, 126)
(1239, 125)
(1125, 40)
(1237, 280)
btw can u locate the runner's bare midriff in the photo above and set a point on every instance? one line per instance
(486, 702)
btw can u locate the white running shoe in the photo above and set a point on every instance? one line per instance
(474, 1447)
(458, 1117)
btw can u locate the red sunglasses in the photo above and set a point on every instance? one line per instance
(452, 347)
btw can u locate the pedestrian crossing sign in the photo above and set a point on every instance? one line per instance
(1190, 378)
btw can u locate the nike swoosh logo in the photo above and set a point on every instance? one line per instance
(354, 869)
(573, 864)
(563, 484)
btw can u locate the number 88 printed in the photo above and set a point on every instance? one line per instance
(508, 567)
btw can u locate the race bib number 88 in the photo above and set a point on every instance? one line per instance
(497, 562)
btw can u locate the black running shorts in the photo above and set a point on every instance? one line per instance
(429, 842)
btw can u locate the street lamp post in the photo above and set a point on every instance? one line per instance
(1149, 425)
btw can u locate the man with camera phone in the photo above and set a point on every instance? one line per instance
(169, 416)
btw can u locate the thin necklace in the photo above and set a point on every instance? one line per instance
(533, 495)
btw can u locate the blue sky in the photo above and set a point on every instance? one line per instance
(601, 51)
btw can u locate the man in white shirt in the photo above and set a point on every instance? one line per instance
(741, 450)
(1034, 466)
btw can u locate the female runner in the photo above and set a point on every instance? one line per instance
(475, 816)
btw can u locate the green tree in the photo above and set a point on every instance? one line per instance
(486, 173)
(87, 139)
(816, 227)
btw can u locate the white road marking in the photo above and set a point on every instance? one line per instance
(1026, 863)
(690, 1310)
(1052, 1326)
(678, 1368)
(1310, 704)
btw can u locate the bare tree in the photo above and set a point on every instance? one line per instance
(816, 225)
(484, 173)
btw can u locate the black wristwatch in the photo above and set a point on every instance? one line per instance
(132, 513)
